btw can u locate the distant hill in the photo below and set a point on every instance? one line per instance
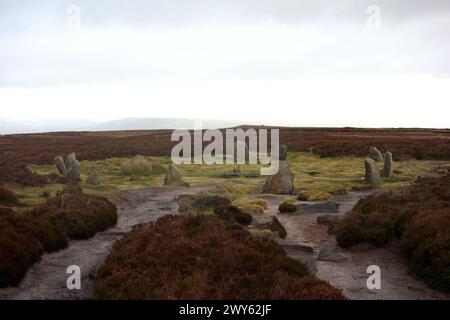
(163, 123)
(58, 125)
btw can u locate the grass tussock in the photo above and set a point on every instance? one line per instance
(203, 257)
(26, 234)
(313, 196)
(287, 206)
(139, 166)
(419, 216)
(251, 205)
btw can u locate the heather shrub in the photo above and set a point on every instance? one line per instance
(81, 216)
(25, 234)
(419, 216)
(356, 228)
(205, 202)
(7, 197)
(35, 223)
(230, 212)
(203, 257)
(17, 253)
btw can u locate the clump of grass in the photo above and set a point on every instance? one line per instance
(313, 196)
(287, 207)
(250, 206)
(137, 166)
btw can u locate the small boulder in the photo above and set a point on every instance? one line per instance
(94, 178)
(318, 207)
(372, 175)
(173, 177)
(331, 253)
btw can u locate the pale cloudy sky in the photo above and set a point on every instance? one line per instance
(309, 63)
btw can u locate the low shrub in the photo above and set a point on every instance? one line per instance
(356, 228)
(26, 234)
(7, 197)
(81, 216)
(230, 212)
(17, 253)
(203, 257)
(205, 202)
(419, 216)
(287, 207)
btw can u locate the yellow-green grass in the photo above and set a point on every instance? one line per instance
(312, 173)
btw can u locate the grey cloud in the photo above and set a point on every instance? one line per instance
(321, 36)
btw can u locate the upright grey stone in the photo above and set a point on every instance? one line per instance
(372, 173)
(73, 167)
(71, 158)
(94, 178)
(388, 170)
(283, 152)
(173, 177)
(376, 155)
(282, 182)
(60, 165)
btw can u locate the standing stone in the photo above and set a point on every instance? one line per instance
(73, 167)
(372, 173)
(60, 165)
(173, 177)
(282, 182)
(376, 155)
(94, 178)
(71, 158)
(388, 170)
(283, 152)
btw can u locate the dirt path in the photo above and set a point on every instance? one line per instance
(47, 278)
(303, 233)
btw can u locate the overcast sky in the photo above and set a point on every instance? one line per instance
(309, 63)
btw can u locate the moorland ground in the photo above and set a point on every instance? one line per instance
(19, 151)
(324, 162)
